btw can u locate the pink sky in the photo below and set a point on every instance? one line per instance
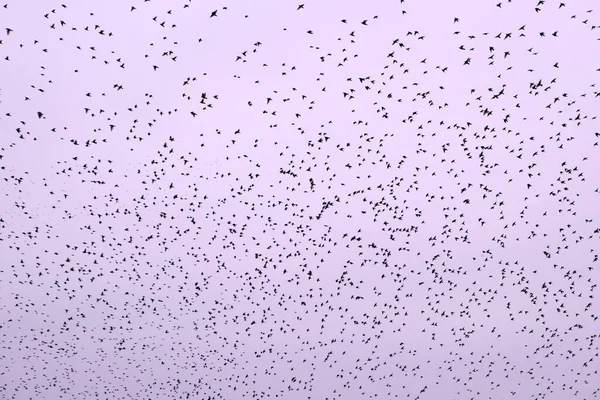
(190, 230)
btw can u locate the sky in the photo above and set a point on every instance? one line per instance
(285, 200)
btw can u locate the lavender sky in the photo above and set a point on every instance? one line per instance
(318, 200)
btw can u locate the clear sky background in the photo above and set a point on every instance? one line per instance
(394, 199)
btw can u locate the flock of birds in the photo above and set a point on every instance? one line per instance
(329, 200)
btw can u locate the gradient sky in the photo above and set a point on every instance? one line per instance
(348, 200)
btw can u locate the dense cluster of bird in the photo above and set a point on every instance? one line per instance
(329, 200)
